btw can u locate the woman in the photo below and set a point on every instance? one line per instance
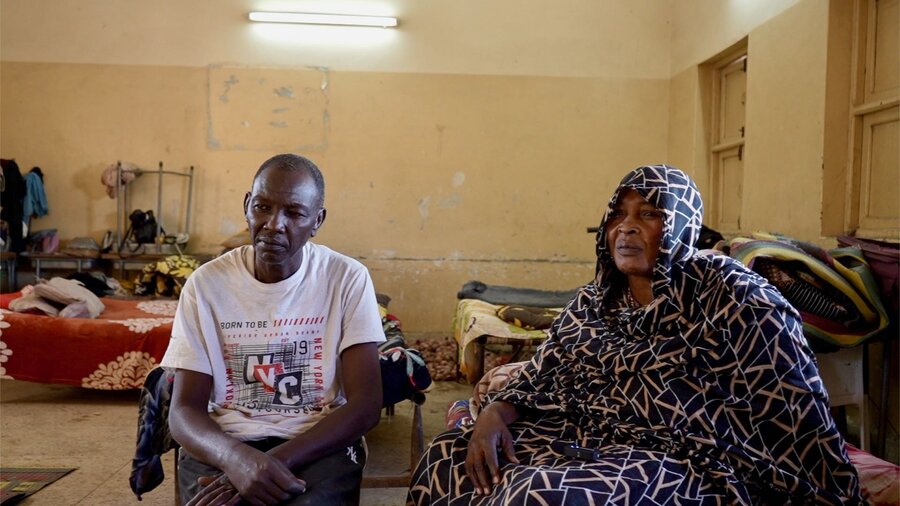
(688, 372)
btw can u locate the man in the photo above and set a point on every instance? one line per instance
(275, 351)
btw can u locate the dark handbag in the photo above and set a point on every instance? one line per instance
(143, 227)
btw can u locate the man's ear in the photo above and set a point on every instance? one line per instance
(320, 219)
(246, 203)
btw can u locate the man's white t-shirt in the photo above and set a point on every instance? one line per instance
(273, 348)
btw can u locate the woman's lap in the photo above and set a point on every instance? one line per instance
(623, 475)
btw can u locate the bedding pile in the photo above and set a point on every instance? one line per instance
(66, 298)
(834, 290)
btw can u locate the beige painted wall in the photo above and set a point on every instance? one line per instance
(453, 149)
(703, 28)
(432, 179)
(785, 122)
(687, 139)
(580, 38)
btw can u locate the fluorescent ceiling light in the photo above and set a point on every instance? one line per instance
(323, 19)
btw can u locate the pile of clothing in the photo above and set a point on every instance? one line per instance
(835, 291)
(67, 298)
(165, 277)
(23, 198)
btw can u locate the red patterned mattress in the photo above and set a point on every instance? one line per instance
(112, 352)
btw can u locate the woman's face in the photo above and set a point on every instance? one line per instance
(634, 229)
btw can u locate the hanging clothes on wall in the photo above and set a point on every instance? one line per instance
(35, 202)
(12, 200)
(129, 172)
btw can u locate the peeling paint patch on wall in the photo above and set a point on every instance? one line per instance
(423, 211)
(285, 92)
(223, 97)
(450, 201)
(266, 109)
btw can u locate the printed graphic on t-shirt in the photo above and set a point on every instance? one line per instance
(274, 367)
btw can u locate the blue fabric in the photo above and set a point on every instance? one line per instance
(35, 203)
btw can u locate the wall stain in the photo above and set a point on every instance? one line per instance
(326, 127)
(324, 86)
(284, 92)
(453, 200)
(238, 108)
(232, 80)
(423, 211)
(440, 145)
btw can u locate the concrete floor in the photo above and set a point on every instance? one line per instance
(95, 431)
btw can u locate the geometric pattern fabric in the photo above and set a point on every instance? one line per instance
(707, 395)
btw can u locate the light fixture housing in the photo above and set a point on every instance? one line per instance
(309, 18)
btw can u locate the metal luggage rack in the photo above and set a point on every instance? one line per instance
(122, 205)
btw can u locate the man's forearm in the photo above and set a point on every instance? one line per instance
(337, 430)
(203, 438)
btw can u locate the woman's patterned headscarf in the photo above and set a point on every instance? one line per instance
(672, 192)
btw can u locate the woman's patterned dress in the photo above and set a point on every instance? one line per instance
(707, 395)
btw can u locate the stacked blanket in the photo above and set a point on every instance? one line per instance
(834, 291)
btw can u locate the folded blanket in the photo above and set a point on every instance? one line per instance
(834, 291)
(496, 294)
(59, 297)
(527, 317)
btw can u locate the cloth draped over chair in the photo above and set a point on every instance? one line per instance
(153, 436)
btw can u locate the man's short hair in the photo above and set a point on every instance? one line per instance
(292, 162)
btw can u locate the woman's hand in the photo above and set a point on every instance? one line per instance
(257, 477)
(489, 433)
